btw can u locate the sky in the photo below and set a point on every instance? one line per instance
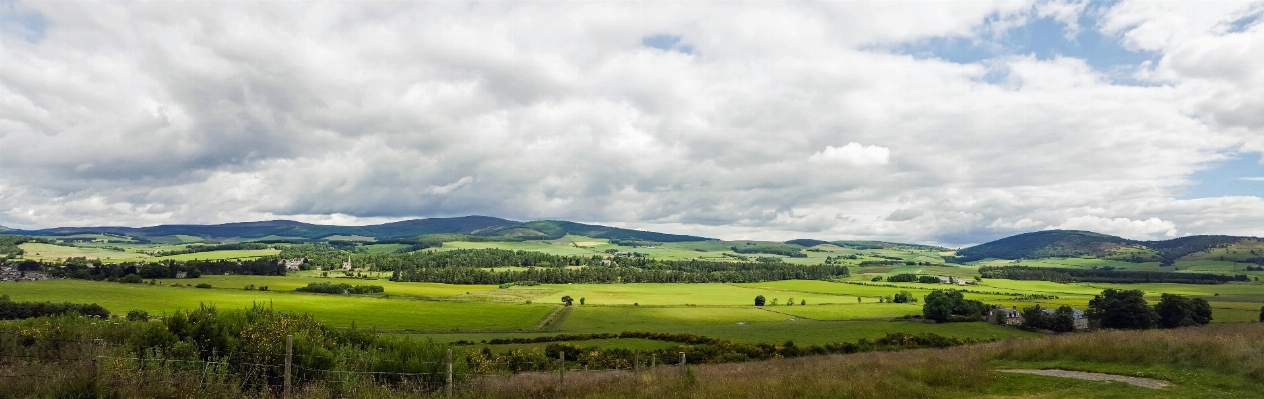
(948, 123)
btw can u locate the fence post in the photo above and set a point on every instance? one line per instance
(448, 386)
(561, 370)
(653, 361)
(683, 368)
(289, 358)
(636, 362)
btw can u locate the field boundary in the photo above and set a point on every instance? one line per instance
(554, 319)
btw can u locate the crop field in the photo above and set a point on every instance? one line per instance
(39, 251)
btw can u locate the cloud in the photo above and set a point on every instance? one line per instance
(780, 122)
(1123, 227)
(853, 154)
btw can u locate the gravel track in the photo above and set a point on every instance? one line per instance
(1080, 375)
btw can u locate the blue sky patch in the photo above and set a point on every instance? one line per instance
(666, 43)
(1043, 38)
(18, 21)
(1240, 176)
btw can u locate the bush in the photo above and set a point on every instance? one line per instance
(904, 297)
(131, 279)
(10, 310)
(342, 288)
(904, 278)
(137, 315)
(202, 285)
(567, 300)
(759, 301)
(928, 279)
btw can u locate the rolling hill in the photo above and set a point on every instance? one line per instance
(1075, 243)
(468, 225)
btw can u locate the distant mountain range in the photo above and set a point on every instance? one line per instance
(288, 229)
(1075, 243)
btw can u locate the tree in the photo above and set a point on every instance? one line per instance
(790, 302)
(1063, 319)
(1181, 311)
(938, 306)
(904, 297)
(1121, 309)
(942, 305)
(803, 302)
(581, 301)
(567, 300)
(759, 300)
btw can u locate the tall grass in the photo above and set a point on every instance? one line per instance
(1229, 350)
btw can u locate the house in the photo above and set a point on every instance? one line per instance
(945, 280)
(1006, 316)
(347, 265)
(292, 265)
(182, 274)
(608, 262)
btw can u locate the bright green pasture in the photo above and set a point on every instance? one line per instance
(289, 283)
(39, 251)
(219, 255)
(337, 310)
(850, 311)
(384, 248)
(678, 294)
(760, 325)
(624, 343)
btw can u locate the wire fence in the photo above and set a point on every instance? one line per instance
(285, 374)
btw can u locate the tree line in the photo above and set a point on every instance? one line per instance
(693, 271)
(1067, 275)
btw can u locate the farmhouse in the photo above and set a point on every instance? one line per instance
(292, 265)
(1007, 316)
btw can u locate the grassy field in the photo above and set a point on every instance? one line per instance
(49, 252)
(365, 311)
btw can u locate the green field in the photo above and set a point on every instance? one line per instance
(365, 311)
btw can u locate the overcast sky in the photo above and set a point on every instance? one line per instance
(934, 122)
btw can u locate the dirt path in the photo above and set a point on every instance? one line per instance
(1080, 375)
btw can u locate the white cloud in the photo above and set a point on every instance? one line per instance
(1123, 227)
(146, 113)
(853, 154)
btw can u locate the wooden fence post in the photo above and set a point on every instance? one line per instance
(683, 368)
(653, 362)
(448, 386)
(289, 358)
(636, 362)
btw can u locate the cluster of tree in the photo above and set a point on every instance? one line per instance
(830, 260)
(471, 258)
(342, 288)
(792, 251)
(628, 242)
(691, 271)
(1067, 275)
(698, 350)
(911, 278)
(10, 310)
(94, 269)
(1038, 318)
(951, 305)
(9, 244)
(1127, 309)
(904, 297)
(1256, 268)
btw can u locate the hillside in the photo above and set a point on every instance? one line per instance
(469, 225)
(1074, 243)
(554, 229)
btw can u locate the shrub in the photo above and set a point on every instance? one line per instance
(759, 301)
(131, 279)
(581, 301)
(202, 285)
(567, 300)
(10, 310)
(904, 297)
(137, 315)
(342, 288)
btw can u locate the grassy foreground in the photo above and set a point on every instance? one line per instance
(1211, 361)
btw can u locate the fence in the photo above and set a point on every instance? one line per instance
(99, 356)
